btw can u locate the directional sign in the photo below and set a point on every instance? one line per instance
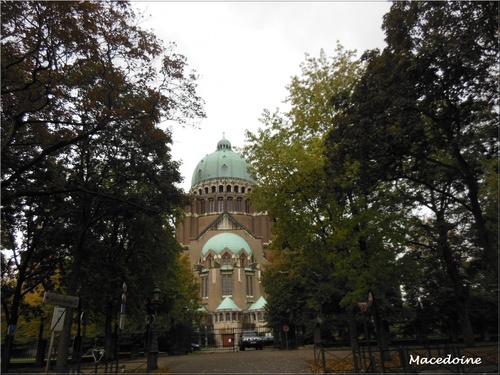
(60, 300)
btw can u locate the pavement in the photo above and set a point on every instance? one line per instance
(267, 361)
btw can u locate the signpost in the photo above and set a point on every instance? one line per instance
(56, 326)
(286, 328)
(60, 300)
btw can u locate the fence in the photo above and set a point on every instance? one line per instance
(182, 341)
(209, 339)
(448, 359)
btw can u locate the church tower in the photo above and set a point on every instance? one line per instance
(227, 241)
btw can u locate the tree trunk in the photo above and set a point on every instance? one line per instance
(73, 286)
(13, 318)
(484, 236)
(458, 289)
(380, 330)
(353, 329)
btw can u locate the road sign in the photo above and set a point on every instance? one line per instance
(58, 319)
(98, 354)
(11, 330)
(60, 300)
(363, 306)
(286, 328)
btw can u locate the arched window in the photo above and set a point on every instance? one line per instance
(243, 260)
(211, 206)
(228, 188)
(206, 190)
(227, 285)
(221, 189)
(228, 317)
(226, 259)
(243, 190)
(229, 203)
(204, 287)
(236, 189)
(249, 285)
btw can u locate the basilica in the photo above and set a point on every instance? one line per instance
(227, 240)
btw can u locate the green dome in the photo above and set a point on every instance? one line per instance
(223, 163)
(226, 240)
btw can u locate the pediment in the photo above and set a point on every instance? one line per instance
(224, 222)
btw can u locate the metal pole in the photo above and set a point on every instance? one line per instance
(372, 363)
(153, 347)
(148, 345)
(51, 347)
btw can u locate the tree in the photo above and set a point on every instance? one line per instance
(428, 103)
(83, 90)
(318, 214)
(454, 48)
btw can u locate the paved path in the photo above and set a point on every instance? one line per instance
(267, 361)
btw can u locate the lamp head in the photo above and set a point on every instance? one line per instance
(156, 294)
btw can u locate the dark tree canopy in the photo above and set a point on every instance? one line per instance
(388, 174)
(88, 182)
(429, 103)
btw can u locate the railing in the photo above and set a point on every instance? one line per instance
(226, 339)
(448, 359)
(130, 346)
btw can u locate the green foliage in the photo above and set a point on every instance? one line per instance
(88, 183)
(320, 222)
(427, 102)
(384, 173)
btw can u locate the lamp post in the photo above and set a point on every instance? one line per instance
(153, 340)
(363, 306)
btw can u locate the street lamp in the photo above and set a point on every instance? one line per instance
(153, 340)
(156, 294)
(363, 306)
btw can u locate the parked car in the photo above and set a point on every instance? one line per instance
(268, 339)
(250, 339)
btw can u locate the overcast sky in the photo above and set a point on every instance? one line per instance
(246, 53)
